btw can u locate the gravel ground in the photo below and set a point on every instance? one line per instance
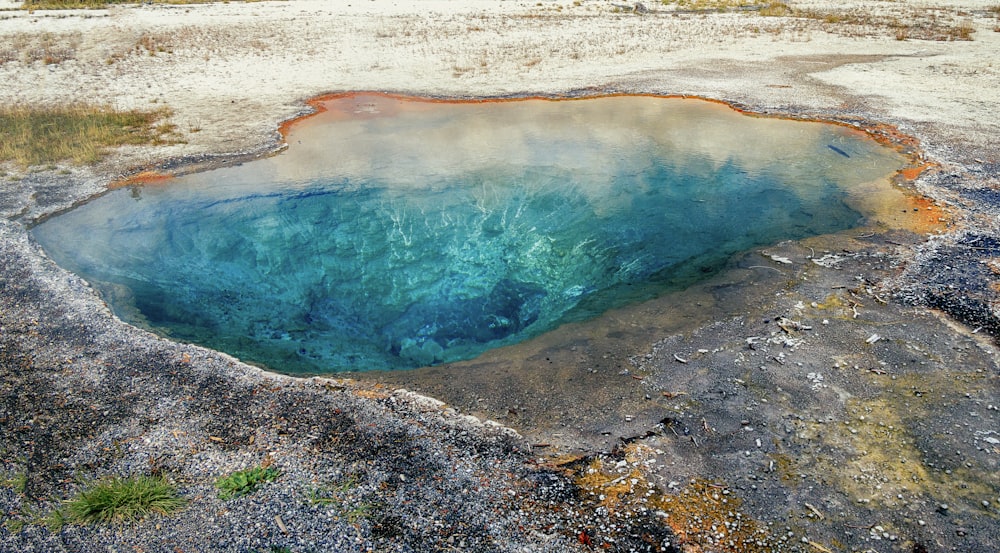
(86, 397)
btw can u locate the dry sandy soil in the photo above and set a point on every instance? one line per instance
(846, 401)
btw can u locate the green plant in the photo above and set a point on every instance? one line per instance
(330, 495)
(321, 496)
(15, 524)
(19, 480)
(53, 521)
(120, 499)
(37, 136)
(333, 495)
(245, 481)
(358, 511)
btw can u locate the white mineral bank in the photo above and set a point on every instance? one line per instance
(230, 72)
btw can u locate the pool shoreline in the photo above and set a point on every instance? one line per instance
(887, 199)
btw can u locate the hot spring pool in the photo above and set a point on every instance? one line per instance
(395, 233)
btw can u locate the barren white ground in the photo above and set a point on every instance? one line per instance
(231, 72)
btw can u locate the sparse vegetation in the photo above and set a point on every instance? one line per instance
(916, 24)
(17, 481)
(337, 496)
(81, 134)
(243, 482)
(775, 9)
(52, 520)
(329, 495)
(121, 499)
(717, 5)
(79, 4)
(963, 31)
(358, 511)
(48, 48)
(925, 24)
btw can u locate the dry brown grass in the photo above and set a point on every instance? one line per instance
(718, 5)
(775, 9)
(81, 134)
(904, 23)
(78, 4)
(45, 47)
(907, 23)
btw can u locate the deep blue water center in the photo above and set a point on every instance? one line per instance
(396, 233)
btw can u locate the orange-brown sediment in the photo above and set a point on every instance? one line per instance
(144, 177)
(911, 173)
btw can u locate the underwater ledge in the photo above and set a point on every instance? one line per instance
(124, 352)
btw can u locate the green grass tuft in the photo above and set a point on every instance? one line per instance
(124, 499)
(245, 481)
(36, 136)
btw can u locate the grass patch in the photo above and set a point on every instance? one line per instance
(915, 24)
(962, 31)
(331, 495)
(17, 481)
(717, 5)
(53, 521)
(246, 481)
(80, 4)
(45, 47)
(337, 496)
(36, 136)
(775, 9)
(124, 499)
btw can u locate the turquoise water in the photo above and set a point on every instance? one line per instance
(396, 234)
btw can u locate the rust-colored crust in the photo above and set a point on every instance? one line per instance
(142, 178)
